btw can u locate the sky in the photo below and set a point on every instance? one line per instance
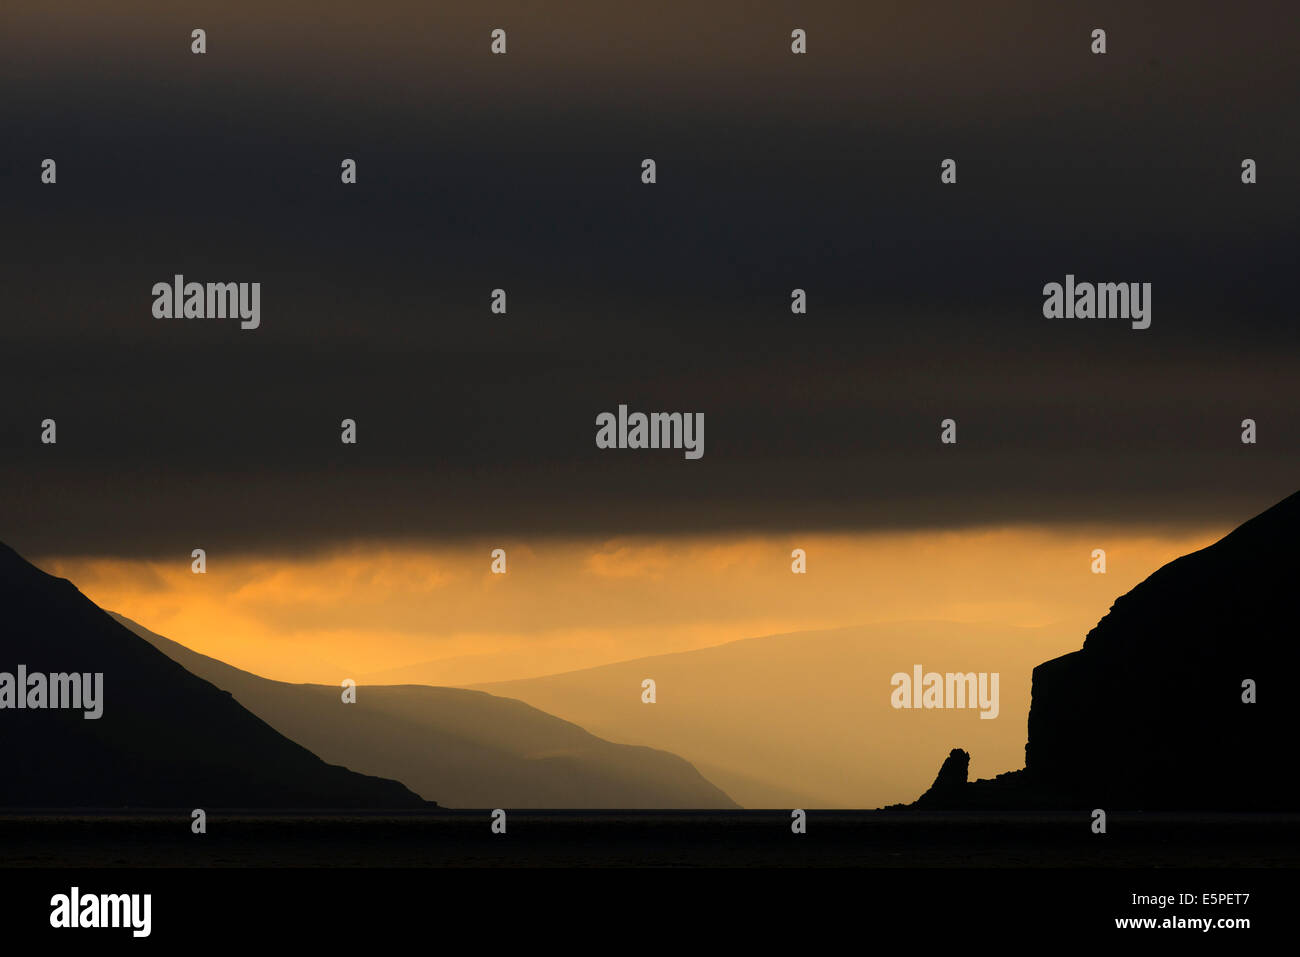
(523, 172)
(392, 614)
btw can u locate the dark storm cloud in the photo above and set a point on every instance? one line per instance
(774, 172)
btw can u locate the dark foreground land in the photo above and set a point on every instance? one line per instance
(871, 839)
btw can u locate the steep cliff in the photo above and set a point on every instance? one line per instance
(1150, 713)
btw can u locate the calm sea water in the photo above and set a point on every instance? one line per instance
(639, 839)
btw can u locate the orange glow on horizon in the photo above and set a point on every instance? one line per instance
(368, 609)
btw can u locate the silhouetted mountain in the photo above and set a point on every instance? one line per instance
(472, 749)
(1149, 714)
(805, 720)
(166, 738)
